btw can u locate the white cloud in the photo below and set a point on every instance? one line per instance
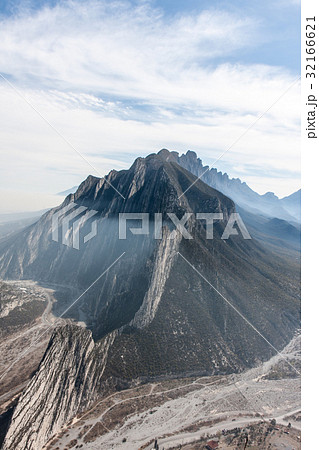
(118, 49)
(39, 157)
(119, 82)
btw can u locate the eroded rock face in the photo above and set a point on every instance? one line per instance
(268, 204)
(150, 315)
(165, 256)
(64, 383)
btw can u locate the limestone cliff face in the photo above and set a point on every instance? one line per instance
(164, 259)
(151, 185)
(64, 383)
(151, 314)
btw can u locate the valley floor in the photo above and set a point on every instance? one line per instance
(26, 324)
(22, 346)
(181, 412)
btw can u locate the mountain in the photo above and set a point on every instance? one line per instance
(278, 235)
(292, 204)
(9, 228)
(12, 222)
(68, 191)
(268, 204)
(259, 211)
(20, 216)
(155, 311)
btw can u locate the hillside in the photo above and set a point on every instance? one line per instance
(152, 314)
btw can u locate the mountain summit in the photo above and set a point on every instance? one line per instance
(268, 204)
(160, 310)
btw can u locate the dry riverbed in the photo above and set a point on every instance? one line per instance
(179, 412)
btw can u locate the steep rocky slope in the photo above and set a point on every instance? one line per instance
(66, 379)
(151, 314)
(268, 204)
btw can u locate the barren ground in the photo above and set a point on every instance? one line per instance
(179, 412)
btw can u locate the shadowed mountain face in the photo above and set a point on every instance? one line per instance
(151, 314)
(268, 204)
(152, 185)
(261, 212)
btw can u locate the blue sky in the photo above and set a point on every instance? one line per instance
(279, 22)
(121, 79)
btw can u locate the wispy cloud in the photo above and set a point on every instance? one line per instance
(121, 80)
(113, 46)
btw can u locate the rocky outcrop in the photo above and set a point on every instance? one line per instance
(150, 315)
(64, 383)
(163, 261)
(268, 204)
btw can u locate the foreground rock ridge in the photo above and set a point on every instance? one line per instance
(151, 315)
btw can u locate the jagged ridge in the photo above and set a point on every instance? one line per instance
(152, 315)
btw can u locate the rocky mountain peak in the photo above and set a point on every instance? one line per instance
(268, 204)
(150, 314)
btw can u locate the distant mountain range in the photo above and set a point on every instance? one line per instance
(68, 191)
(250, 204)
(266, 215)
(268, 204)
(13, 222)
(292, 204)
(152, 314)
